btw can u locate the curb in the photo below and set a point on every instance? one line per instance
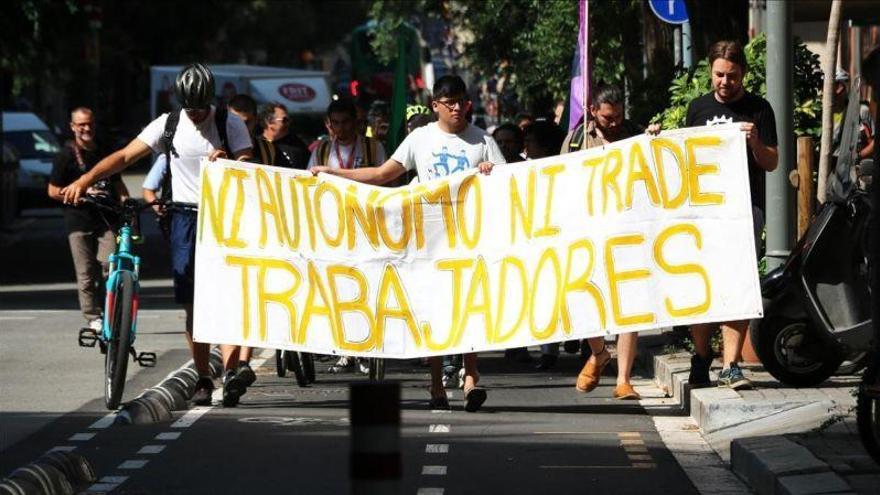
(776, 465)
(724, 415)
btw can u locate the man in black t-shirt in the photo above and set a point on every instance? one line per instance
(728, 103)
(90, 231)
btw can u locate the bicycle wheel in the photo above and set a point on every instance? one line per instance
(377, 369)
(308, 364)
(280, 366)
(116, 358)
(292, 363)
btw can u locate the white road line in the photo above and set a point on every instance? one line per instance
(441, 411)
(62, 448)
(438, 428)
(631, 441)
(102, 487)
(430, 491)
(448, 394)
(103, 422)
(151, 449)
(113, 479)
(191, 416)
(437, 448)
(434, 470)
(168, 435)
(636, 449)
(629, 434)
(132, 464)
(80, 437)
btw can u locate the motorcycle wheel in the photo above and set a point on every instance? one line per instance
(791, 351)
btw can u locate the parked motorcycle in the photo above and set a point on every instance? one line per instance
(817, 311)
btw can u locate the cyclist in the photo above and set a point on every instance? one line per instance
(196, 137)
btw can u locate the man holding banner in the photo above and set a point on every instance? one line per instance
(727, 103)
(436, 150)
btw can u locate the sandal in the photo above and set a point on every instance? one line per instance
(588, 378)
(474, 399)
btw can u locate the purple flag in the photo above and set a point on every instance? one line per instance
(580, 68)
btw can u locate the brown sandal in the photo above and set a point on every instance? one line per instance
(588, 378)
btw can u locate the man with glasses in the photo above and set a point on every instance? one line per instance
(453, 142)
(277, 145)
(196, 137)
(91, 233)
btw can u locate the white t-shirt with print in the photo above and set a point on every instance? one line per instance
(192, 143)
(434, 153)
(345, 152)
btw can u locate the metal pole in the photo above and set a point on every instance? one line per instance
(676, 39)
(687, 55)
(780, 208)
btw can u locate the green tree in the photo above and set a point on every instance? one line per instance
(533, 43)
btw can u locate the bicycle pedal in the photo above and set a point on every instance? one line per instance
(146, 359)
(87, 337)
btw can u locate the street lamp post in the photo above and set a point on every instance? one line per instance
(779, 92)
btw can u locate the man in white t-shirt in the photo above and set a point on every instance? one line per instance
(196, 137)
(438, 149)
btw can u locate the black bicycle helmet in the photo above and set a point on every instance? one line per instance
(195, 86)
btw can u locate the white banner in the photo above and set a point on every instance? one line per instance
(643, 233)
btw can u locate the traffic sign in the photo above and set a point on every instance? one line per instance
(671, 11)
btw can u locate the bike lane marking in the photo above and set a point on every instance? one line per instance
(104, 422)
(435, 449)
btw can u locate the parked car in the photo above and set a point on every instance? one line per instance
(36, 148)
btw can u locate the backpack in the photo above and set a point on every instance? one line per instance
(167, 140)
(369, 147)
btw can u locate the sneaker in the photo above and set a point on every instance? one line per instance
(461, 378)
(246, 374)
(450, 377)
(699, 375)
(204, 389)
(97, 324)
(733, 378)
(341, 365)
(363, 366)
(233, 389)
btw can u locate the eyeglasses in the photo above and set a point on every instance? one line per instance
(450, 104)
(283, 120)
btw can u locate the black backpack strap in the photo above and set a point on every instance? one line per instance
(168, 145)
(220, 116)
(369, 144)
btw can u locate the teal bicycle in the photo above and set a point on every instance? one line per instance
(117, 336)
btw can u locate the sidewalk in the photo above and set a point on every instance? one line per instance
(778, 439)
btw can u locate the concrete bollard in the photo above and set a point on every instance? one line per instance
(76, 468)
(45, 477)
(143, 410)
(375, 462)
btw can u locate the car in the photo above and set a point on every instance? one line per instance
(36, 147)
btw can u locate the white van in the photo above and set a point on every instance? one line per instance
(36, 147)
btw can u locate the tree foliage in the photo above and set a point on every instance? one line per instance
(532, 43)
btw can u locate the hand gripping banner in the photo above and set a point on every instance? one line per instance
(644, 233)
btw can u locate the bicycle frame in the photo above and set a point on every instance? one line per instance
(121, 261)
